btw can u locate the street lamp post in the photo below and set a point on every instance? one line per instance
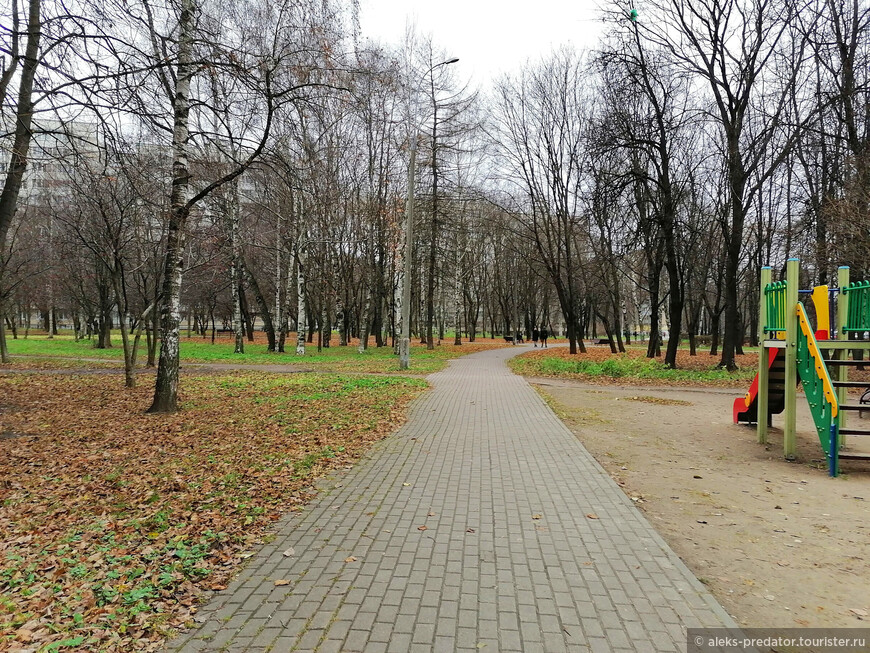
(405, 338)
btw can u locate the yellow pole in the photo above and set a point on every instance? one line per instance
(823, 309)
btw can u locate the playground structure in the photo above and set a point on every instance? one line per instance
(791, 351)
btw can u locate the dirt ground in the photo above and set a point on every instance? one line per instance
(779, 544)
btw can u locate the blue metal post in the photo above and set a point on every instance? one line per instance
(833, 452)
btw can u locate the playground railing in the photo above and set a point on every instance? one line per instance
(774, 295)
(858, 315)
(818, 388)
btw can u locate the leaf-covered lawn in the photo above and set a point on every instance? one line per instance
(112, 521)
(199, 350)
(600, 366)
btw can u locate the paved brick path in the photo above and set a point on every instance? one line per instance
(508, 561)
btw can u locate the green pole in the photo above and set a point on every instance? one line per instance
(792, 278)
(763, 369)
(842, 315)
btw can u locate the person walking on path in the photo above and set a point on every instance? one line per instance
(543, 335)
(535, 334)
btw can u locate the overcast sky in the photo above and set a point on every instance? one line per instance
(488, 37)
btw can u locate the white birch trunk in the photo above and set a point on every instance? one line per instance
(49, 289)
(166, 385)
(339, 306)
(397, 304)
(457, 297)
(302, 321)
(364, 324)
(279, 316)
(235, 271)
(339, 323)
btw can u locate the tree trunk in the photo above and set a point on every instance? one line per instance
(235, 265)
(364, 321)
(265, 314)
(457, 303)
(734, 243)
(4, 351)
(23, 128)
(247, 318)
(675, 303)
(340, 319)
(124, 323)
(301, 320)
(281, 321)
(166, 384)
(152, 344)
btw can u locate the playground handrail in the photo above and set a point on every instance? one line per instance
(858, 316)
(821, 370)
(774, 294)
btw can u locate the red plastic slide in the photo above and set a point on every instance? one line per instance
(746, 408)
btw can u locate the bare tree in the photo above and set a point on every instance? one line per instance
(540, 116)
(750, 56)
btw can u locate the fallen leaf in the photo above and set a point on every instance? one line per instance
(858, 612)
(350, 559)
(537, 516)
(282, 582)
(431, 514)
(290, 552)
(591, 515)
(199, 490)
(422, 528)
(469, 530)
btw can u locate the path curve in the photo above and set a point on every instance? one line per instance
(481, 524)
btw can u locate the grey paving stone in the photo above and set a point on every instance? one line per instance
(481, 451)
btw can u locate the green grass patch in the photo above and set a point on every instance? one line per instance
(620, 367)
(378, 360)
(106, 544)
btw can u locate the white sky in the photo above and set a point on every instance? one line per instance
(488, 37)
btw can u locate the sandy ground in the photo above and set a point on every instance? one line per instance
(779, 544)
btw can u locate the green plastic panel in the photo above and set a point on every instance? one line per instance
(774, 295)
(858, 316)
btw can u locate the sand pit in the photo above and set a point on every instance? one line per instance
(779, 543)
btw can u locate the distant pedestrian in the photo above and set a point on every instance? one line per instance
(535, 334)
(543, 335)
